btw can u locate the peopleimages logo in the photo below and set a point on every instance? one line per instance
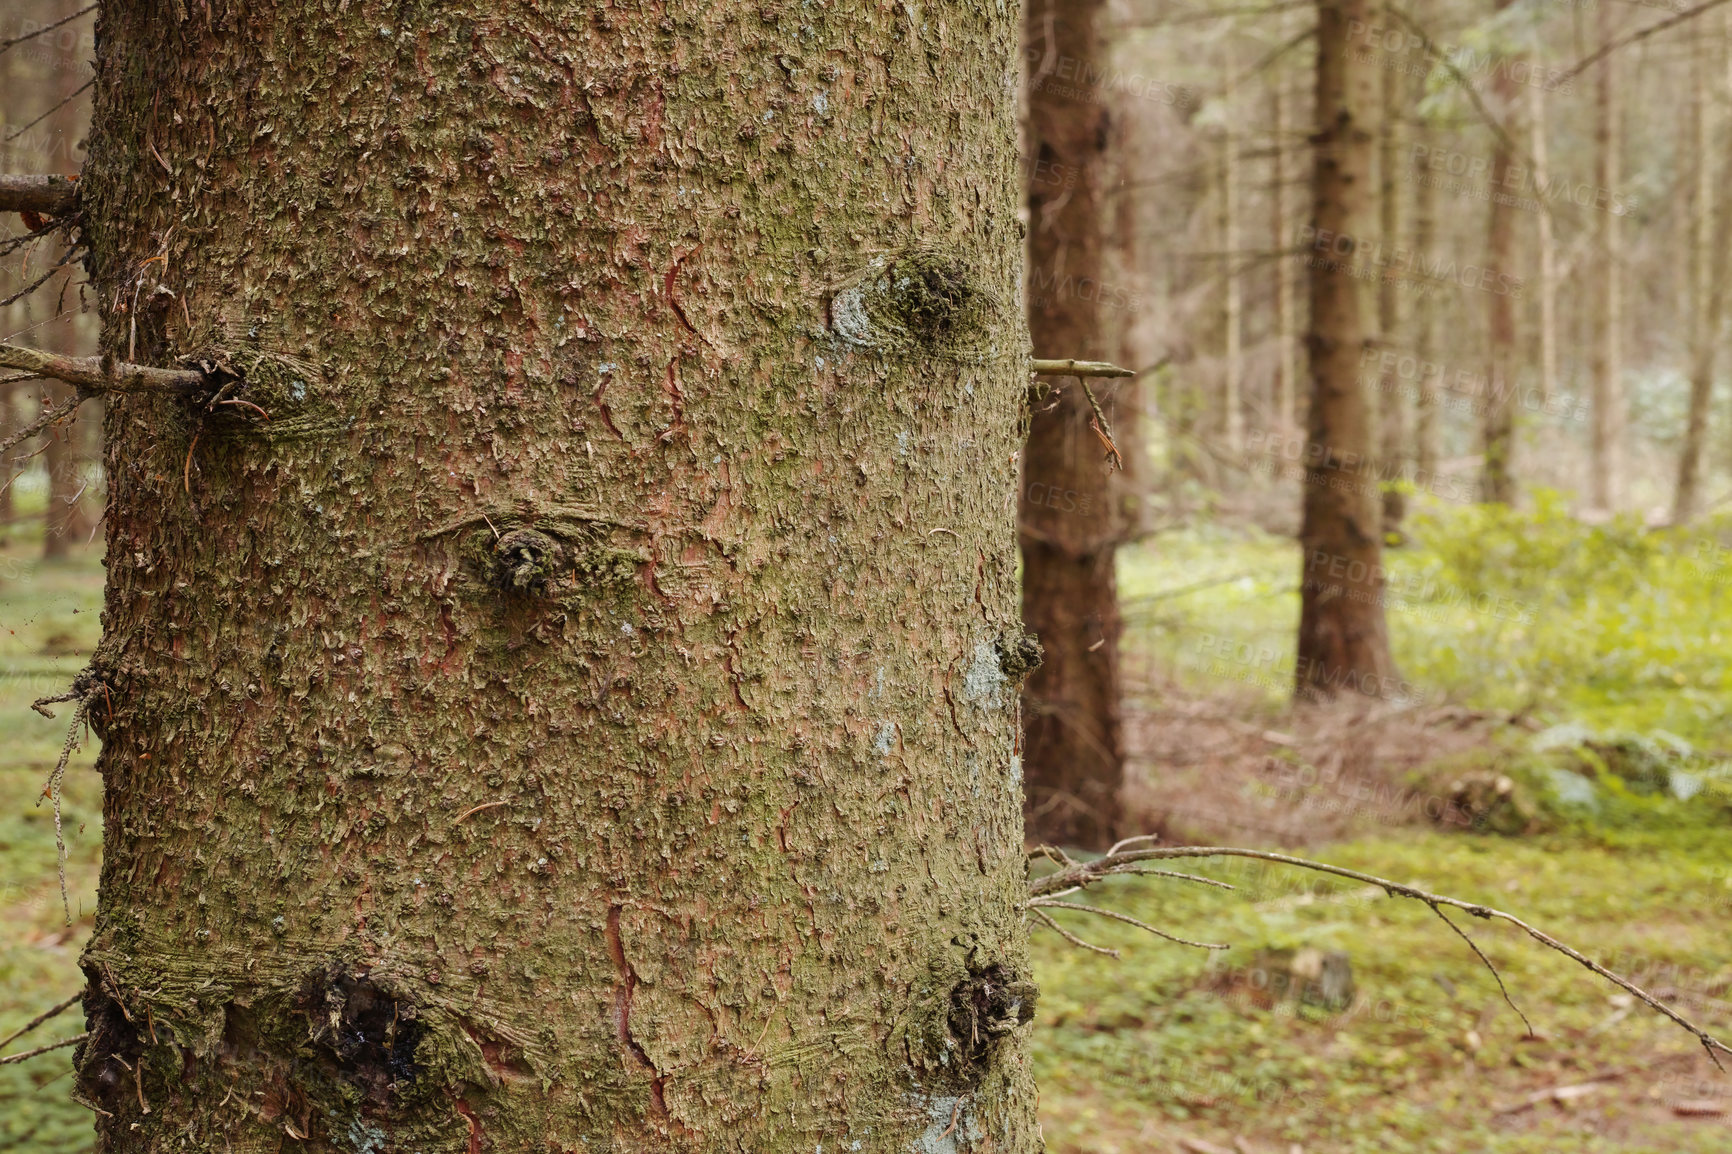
(1370, 257)
(1466, 389)
(1068, 76)
(1045, 285)
(1429, 165)
(1409, 52)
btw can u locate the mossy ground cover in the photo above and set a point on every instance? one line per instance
(1620, 636)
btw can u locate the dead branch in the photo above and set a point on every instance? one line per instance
(45, 1015)
(100, 374)
(35, 32)
(43, 420)
(1607, 49)
(1074, 875)
(81, 90)
(44, 195)
(1055, 904)
(1042, 368)
(50, 1048)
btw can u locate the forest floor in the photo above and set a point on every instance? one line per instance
(1563, 756)
(1583, 668)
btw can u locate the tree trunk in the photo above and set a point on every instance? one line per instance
(1391, 406)
(1070, 531)
(1343, 641)
(1498, 421)
(1232, 393)
(65, 523)
(1286, 274)
(1426, 408)
(1710, 238)
(582, 715)
(1606, 458)
(1539, 130)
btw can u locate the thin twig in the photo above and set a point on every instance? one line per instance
(82, 89)
(1081, 874)
(35, 32)
(1070, 937)
(1050, 904)
(1474, 946)
(1610, 47)
(52, 272)
(43, 420)
(51, 790)
(52, 1046)
(45, 1015)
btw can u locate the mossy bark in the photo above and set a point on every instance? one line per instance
(574, 720)
(1070, 527)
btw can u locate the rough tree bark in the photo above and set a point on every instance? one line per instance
(581, 717)
(1343, 641)
(1070, 530)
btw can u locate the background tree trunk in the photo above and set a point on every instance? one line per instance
(1286, 270)
(1070, 531)
(1538, 130)
(582, 716)
(1711, 239)
(1391, 403)
(1343, 642)
(66, 524)
(1232, 266)
(1426, 407)
(1498, 421)
(1606, 458)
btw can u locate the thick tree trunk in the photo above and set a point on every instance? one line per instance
(1343, 642)
(582, 716)
(1710, 236)
(1070, 531)
(1606, 458)
(1498, 421)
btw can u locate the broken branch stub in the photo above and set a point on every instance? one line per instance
(42, 195)
(100, 374)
